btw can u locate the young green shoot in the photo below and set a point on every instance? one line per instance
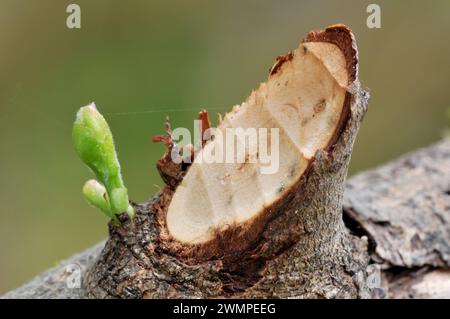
(94, 143)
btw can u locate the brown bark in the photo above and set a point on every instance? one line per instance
(371, 202)
(299, 249)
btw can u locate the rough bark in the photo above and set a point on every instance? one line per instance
(52, 284)
(417, 185)
(404, 210)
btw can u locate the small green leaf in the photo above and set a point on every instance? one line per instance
(94, 144)
(119, 199)
(95, 194)
(131, 212)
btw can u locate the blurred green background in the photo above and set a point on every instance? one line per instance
(140, 60)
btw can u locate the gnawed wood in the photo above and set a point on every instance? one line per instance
(298, 245)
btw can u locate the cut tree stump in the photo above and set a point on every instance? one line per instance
(227, 230)
(401, 209)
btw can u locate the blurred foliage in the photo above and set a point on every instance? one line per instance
(140, 60)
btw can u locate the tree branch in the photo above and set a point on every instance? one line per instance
(403, 208)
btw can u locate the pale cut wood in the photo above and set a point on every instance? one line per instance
(304, 101)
